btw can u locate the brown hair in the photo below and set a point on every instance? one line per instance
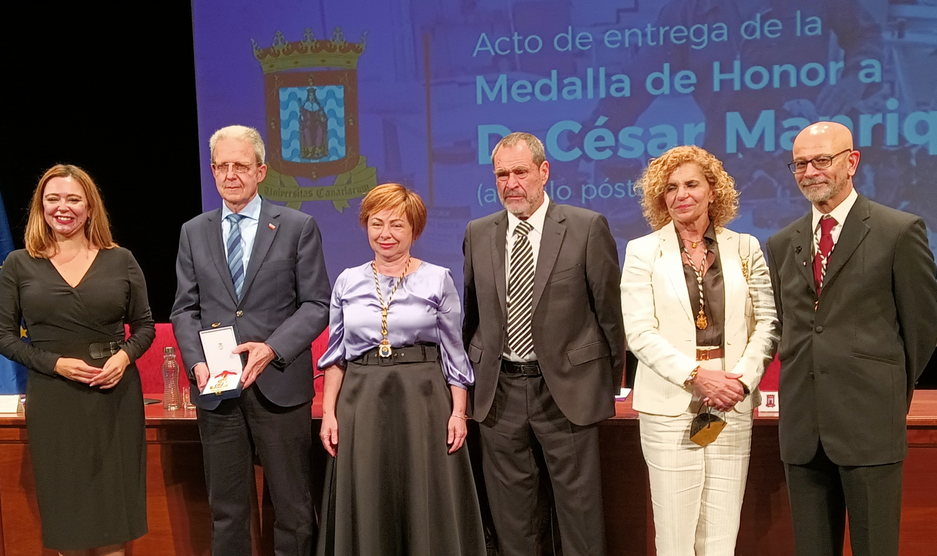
(39, 239)
(652, 186)
(396, 197)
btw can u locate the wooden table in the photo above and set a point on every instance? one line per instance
(177, 507)
(766, 527)
(179, 522)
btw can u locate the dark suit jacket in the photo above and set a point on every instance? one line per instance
(577, 324)
(848, 369)
(285, 300)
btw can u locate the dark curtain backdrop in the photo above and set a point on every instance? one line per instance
(113, 91)
(110, 88)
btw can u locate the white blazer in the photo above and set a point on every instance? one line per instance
(660, 325)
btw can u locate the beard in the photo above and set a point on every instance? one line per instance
(828, 188)
(523, 208)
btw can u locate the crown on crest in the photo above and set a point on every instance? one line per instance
(309, 52)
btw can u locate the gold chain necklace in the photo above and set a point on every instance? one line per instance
(693, 244)
(384, 350)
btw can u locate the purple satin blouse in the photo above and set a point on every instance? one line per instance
(425, 308)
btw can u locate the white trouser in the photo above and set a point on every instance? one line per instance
(696, 492)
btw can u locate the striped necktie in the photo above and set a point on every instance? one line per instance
(520, 292)
(235, 252)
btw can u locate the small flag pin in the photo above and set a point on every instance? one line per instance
(271, 226)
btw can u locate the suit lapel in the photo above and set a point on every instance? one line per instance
(671, 264)
(267, 228)
(215, 240)
(734, 290)
(498, 252)
(554, 230)
(854, 231)
(802, 245)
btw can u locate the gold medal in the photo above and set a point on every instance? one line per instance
(384, 350)
(701, 321)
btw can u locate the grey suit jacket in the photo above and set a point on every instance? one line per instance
(285, 300)
(577, 324)
(848, 368)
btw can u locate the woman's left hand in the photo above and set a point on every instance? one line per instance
(112, 371)
(457, 433)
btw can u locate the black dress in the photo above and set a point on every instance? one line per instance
(87, 444)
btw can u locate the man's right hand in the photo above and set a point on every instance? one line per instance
(201, 375)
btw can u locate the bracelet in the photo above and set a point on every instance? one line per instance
(689, 380)
(463, 417)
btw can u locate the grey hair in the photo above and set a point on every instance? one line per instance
(240, 133)
(534, 144)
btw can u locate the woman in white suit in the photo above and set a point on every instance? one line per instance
(699, 316)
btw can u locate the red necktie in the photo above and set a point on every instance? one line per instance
(822, 257)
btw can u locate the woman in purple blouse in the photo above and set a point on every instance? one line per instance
(396, 375)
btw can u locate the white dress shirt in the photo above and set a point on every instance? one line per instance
(536, 221)
(839, 214)
(251, 214)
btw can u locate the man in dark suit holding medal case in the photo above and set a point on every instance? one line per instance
(854, 283)
(259, 268)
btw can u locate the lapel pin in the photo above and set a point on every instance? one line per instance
(271, 226)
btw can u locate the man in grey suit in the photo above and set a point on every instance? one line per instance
(854, 283)
(543, 329)
(259, 268)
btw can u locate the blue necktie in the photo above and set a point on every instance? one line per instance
(235, 252)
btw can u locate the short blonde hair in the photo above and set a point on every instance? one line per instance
(239, 133)
(652, 186)
(398, 198)
(40, 240)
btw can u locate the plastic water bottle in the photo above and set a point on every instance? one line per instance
(171, 395)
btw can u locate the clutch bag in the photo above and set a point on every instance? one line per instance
(706, 427)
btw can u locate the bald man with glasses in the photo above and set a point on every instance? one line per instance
(856, 294)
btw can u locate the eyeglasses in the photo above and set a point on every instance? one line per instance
(820, 162)
(221, 169)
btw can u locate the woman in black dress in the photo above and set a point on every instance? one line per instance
(75, 289)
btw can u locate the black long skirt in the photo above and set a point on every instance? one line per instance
(393, 489)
